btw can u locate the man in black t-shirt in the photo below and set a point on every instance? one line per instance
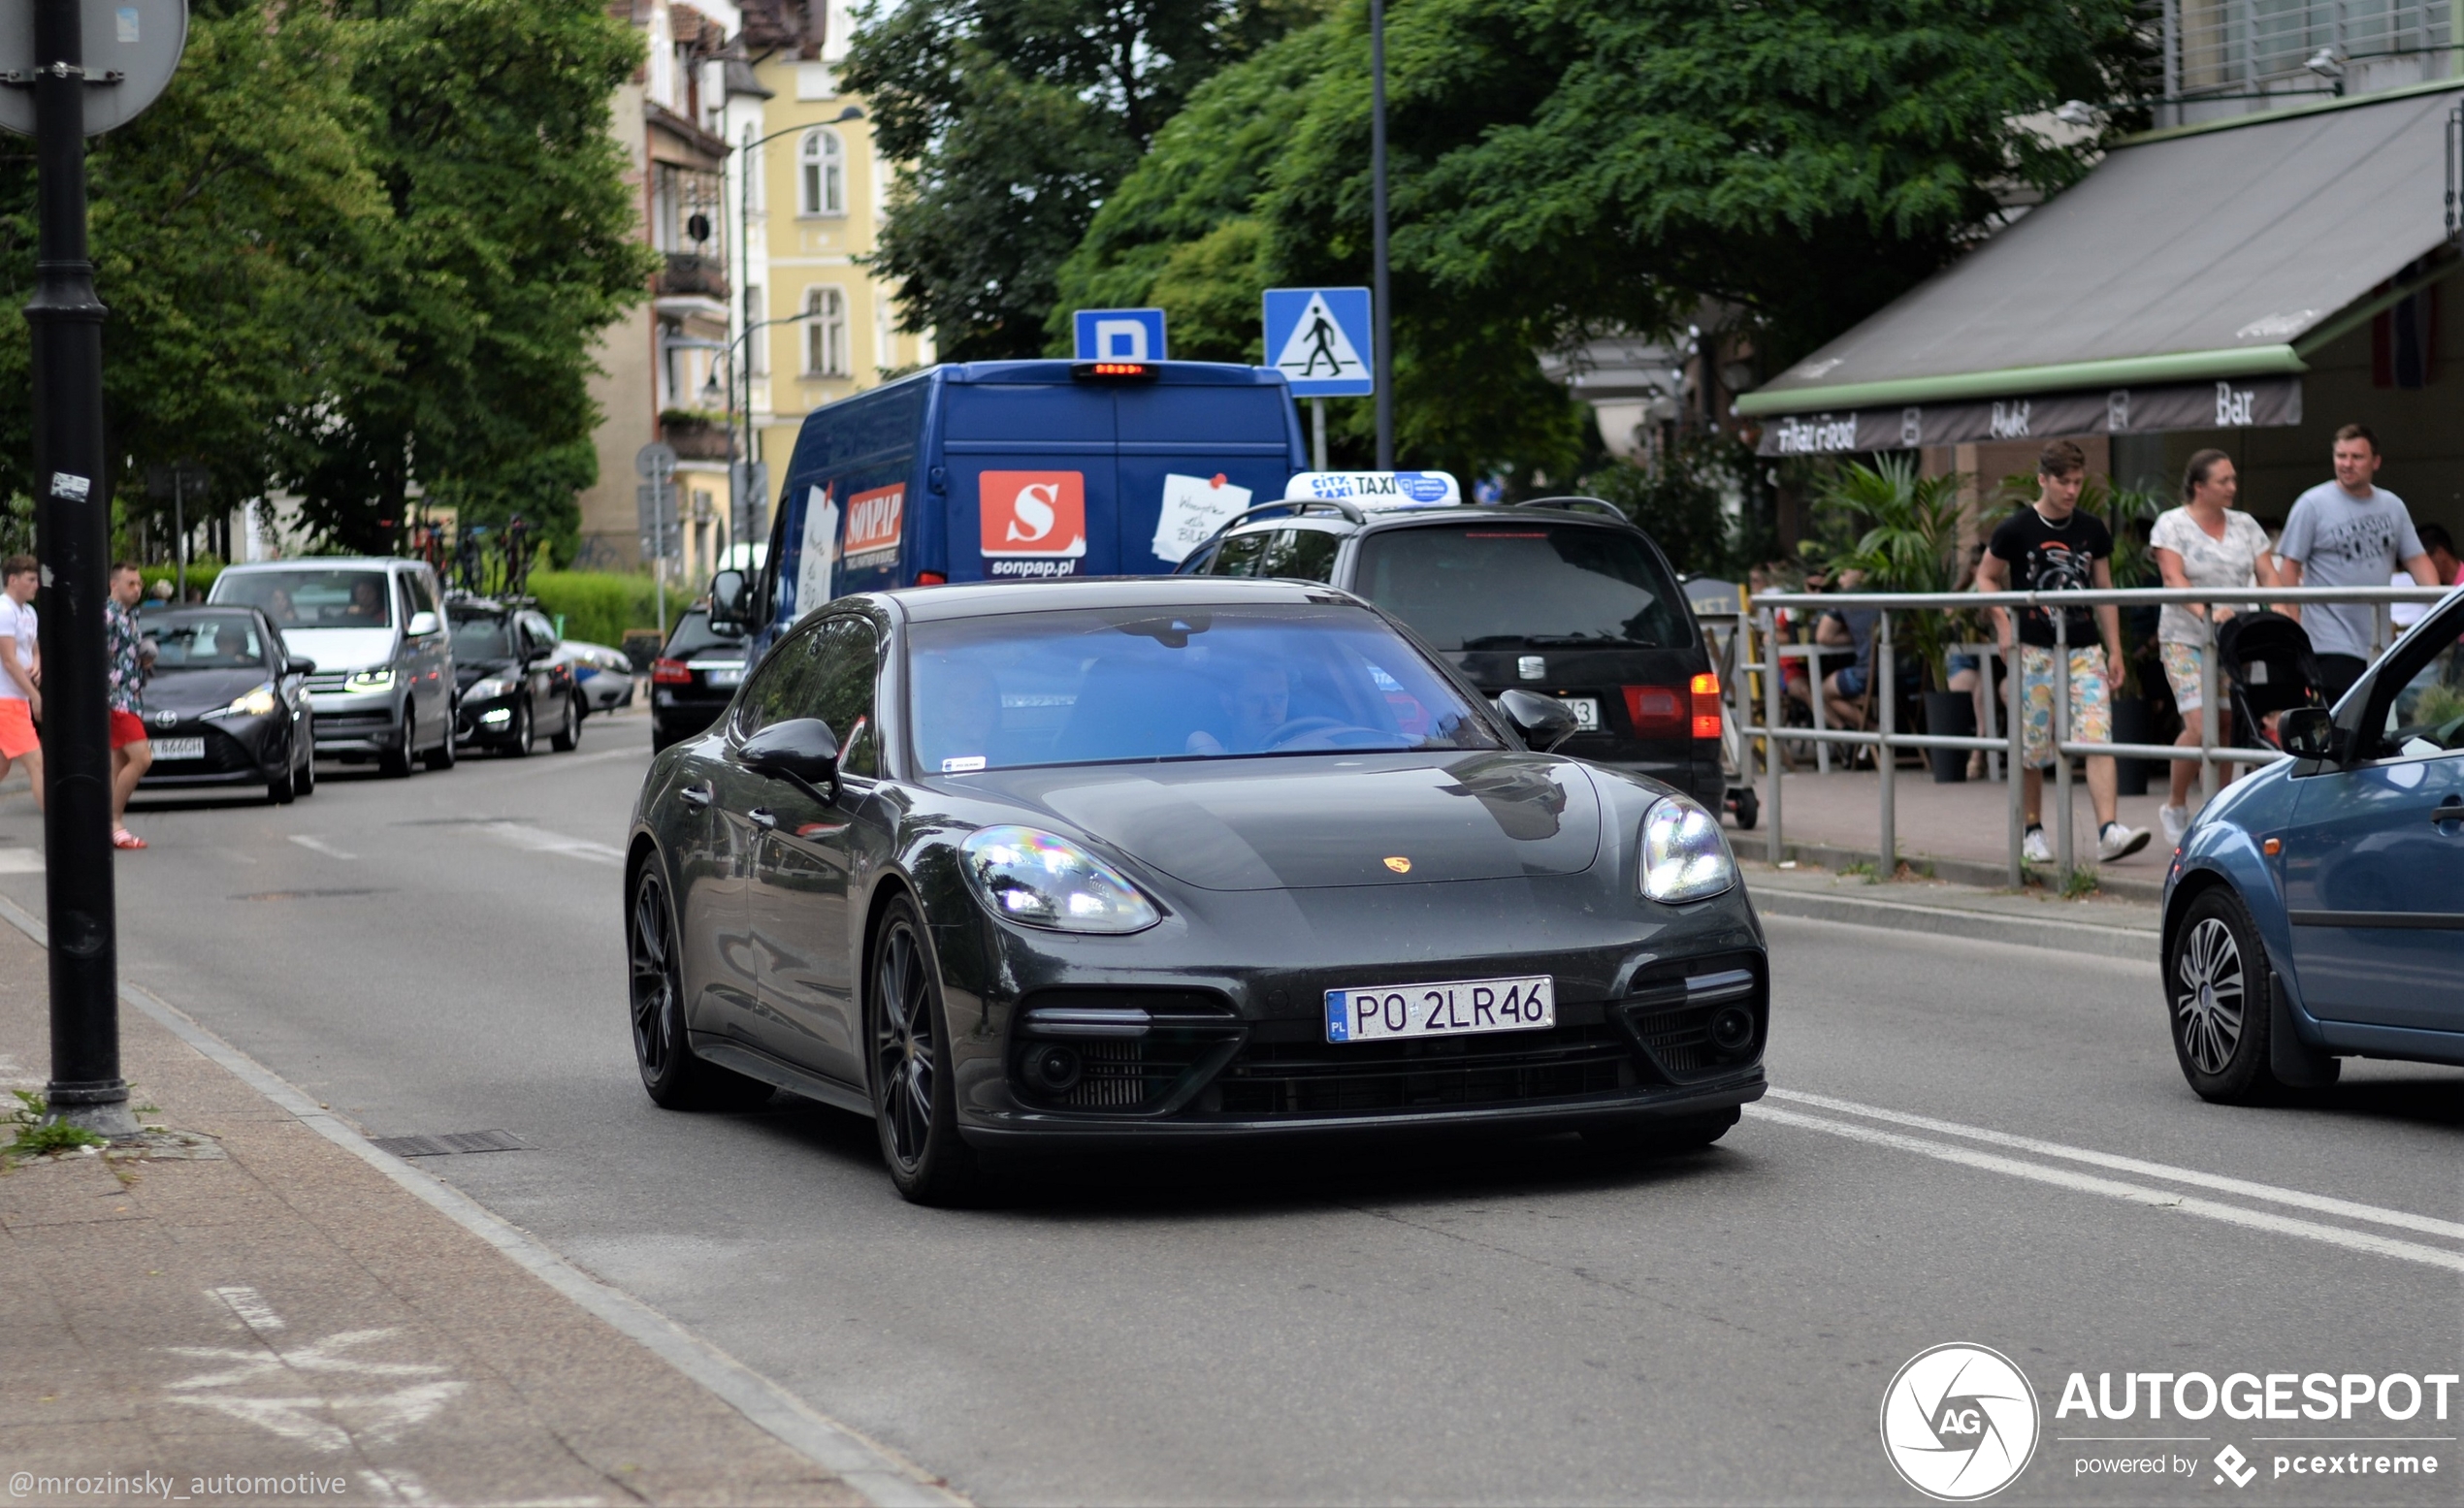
(2051, 546)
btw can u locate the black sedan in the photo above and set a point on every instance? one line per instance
(227, 704)
(1171, 860)
(511, 683)
(694, 677)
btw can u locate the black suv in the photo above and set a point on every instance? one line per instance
(512, 684)
(1560, 595)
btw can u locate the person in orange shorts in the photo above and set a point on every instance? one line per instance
(20, 671)
(132, 752)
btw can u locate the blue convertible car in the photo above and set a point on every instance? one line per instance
(2316, 910)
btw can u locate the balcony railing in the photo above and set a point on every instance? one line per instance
(688, 274)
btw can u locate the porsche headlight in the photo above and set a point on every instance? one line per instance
(1684, 857)
(493, 685)
(376, 679)
(258, 703)
(1031, 877)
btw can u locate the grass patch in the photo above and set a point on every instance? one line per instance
(2082, 883)
(35, 1134)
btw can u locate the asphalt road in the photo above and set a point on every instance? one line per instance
(1507, 1323)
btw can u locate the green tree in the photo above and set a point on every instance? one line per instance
(1567, 169)
(511, 246)
(1013, 121)
(235, 227)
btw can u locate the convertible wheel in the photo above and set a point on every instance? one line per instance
(677, 1079)
(1655, 1139)
(566, 739)
(2217, 983)
(915, 1102)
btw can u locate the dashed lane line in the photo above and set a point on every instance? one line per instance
(316, 844)
(2319, 1203)
(2128, 1193)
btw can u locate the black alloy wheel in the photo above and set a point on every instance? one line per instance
(2219, 999)
(398, 762)
(914, 1098)
(675, 1078)
(525, 736)
(569, 737)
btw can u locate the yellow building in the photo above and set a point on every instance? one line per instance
(821, 326)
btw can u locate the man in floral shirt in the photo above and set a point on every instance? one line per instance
(132, 752)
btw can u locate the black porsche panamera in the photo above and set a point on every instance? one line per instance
(1168, 860)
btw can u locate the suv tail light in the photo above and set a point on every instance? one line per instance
(669, 672)
(1656, 711)
(1706, 706)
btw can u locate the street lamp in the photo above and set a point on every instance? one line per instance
(744, 296)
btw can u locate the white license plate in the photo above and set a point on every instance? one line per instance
(1586, 711)
(1457, 1008)
(179, 748)
(732, 676)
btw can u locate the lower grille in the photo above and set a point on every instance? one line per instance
(1185, 1034)
(1680, 1040)
(329, 680)
(1317, 1078)
(1676, 1032)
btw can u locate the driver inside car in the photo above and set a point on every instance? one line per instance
(1257, 704)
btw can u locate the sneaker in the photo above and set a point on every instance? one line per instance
(2120, 841)
(2036, 851)
(2177, 825)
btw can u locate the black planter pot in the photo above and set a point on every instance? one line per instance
(2134, 722)
(1952, 715)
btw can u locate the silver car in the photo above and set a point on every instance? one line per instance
(384, 683)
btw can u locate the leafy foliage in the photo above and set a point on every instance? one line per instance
(1682, 502)
(34, 1134)
(1907, 531)
(1570, 168)
(1016, 121)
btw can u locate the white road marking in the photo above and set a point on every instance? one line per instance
(251, 1307)
(2130, 1192)
(537, 840)
(316, 844)
(2319, 1203)
(21, 861)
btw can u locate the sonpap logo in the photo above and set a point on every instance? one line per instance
(1960, 1422)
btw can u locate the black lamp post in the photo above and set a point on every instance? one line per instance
(1385, 315)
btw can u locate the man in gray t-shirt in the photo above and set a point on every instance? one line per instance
(2348, 533)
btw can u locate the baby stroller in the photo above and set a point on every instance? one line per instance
(2268, 670)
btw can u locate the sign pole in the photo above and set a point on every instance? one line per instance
(73, 538)
(1318, 433)
(1384, 337)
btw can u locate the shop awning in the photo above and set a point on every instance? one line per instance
(2180, 285)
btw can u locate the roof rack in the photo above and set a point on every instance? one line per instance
(1579, 505)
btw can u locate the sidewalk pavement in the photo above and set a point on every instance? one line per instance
(2107, 925)
(1963, 828)
(262, 1306)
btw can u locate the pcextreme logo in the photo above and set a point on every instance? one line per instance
(1041, 514)
(1960, 1422)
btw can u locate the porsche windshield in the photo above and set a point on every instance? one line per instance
(1101, 687)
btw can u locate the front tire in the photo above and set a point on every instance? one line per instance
(398, 762)
(304, 780)
(525, 736)
(675, 1078)
(2219, 1001)
(915, 1093)
(442, 757)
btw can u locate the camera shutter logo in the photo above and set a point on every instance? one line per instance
(1960, 1422)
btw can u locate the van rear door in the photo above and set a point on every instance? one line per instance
(1191, 454)
(1032, 492)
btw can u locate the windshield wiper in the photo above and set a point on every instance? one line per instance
(1505, 641)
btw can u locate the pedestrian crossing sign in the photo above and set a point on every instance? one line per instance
(1319, 339)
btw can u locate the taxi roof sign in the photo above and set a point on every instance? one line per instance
(1377, 489)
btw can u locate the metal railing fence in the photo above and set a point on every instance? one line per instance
(1751, 634)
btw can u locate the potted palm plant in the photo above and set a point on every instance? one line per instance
(1906, 531)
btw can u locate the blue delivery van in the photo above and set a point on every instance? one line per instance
(1022, 470)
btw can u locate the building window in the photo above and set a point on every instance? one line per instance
(821, 175)
(825, 333)
(678, 196)
(885, 334)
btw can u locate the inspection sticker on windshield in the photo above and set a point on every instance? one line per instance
(1458, 1008)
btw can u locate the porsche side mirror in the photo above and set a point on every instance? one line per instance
(1544, 722)
(422, 625)
(2309, 733)
(801, 750)
(729, 600)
